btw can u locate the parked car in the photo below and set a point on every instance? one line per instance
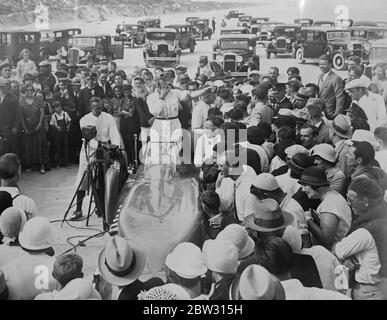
(284, 38)
(378, 55)
(150, 22)
(337, 43)
(202, 28)
(344, 23)
(244, 21)
(52, 41)
(232, 14)
(234, 30)
(130, 34)
(12, 42)
(237, 54)
(369, 34)
(101, 47)
(266, 34)
(259, 20)
(323, 23)
(304, 22)
(190, 19)
(161, 47)
(255, 29)
(184, 35)
(365, 24)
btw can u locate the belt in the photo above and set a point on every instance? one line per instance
(172, 118)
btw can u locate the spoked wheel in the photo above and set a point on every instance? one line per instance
(300, 56)
(338, 61)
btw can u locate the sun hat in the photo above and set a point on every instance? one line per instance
(358, 83)
(239, 237)
(121, 262)
(268, 217)
(38, 234)
(367, 188)
(265, 181)
(3, 286)
(220, 256)
(12, 221)
(314, 176)
(303, 94)
(256, 283)
(296, 148)
(362, 135)
(186, 260)
(300, 115)
(324, 151)
(341, 126)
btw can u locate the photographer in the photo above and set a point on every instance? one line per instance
(106, 132)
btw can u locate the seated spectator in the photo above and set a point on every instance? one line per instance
(185, 267)
(221, 258)
(121, 263)
(10, 172)
(333, 216)
(381, 147)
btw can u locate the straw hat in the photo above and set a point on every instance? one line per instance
(220, 256)
(121, 262)
(38, 234)
(266, 181)
(324, 151)
(341, 126)
(239, 237)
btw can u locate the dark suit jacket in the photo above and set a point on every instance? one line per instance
(84, 99)
(332, 92)
(10, 114)
(108, 92)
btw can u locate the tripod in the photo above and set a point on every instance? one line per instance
(92, 179)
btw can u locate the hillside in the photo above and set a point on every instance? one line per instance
(24, 12)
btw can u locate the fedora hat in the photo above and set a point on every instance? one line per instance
(341, 126)
(324, 151)
(362, 135)
(239, 237)
(358, 83)
(266, 181)
(256, 283)
(268, 217)
(300, 115)
(12, 221)
(38, 234)
(296, 148)
(186, 260)
(121, 262)
(220, 256)
(314, 176)
(299, 162)
(303, 94)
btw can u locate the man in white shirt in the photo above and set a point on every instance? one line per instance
(10, 171)
(381, 147)
(106, 132)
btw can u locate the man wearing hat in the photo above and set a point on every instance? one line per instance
(301, 98)
(372, 104)
(200, 111)
(204, 68)
(279, 99)
(332, 218)
(331, 88)
(45, 75)
(254, 75)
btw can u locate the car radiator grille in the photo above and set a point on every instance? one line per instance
(281, 44)
(229, 63)
(162, 50)
(357, 53)
(357, 46)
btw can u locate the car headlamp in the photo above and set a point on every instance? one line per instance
(288, 41)
(171, 47)
(251, 48)
(220, 59)
(239, 59)
(154, 47)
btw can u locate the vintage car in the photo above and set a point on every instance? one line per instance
(233, 14)
(244, 21)
(52, 41)
(234, 30)
(255, 29)
(130, 34)
(304, 22)
(158, 210)
(184, 35)
(12, 42)
(368, 34)
(323, 23)
(190, 19)
(100, 47)
(237, 54)
(343, 23)
(161, 47)
(202, 28)
(150, 22)
(335, 42)
(365, 24)
(284, 37)
(378, 55)
(259, 20)
(266, 34)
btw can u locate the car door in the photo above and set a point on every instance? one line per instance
(315, 44)
(116, 48)
(184, 38)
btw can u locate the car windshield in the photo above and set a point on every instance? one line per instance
(378, 54)
(90, 42)
(338, 35)
(234, 44)
(289, 32)
(377, 34)
(168, 36)
(232, 31)
(129, 28)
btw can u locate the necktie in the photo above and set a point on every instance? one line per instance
(320, 81)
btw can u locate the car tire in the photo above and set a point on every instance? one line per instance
(268, 54)
(338, 61)
(132, 44)
(300, 56)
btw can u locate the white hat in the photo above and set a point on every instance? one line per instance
(253, 72)
(78, 289)
(239, 237)
(324, 151)
(12, 221)
(266, 181)
(358, 83)
(187, 261)
(38, 234)
(293, 237)
(297, 148)
(246, 88)
(220, 256)
(284, 112)
(362, 135)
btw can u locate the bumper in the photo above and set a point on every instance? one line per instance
(280, 50)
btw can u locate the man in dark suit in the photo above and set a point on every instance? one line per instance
(10, 117)
(331, 88)
(104, 84)
(278, 98)
(91, 90)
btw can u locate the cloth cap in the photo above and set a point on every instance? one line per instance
(266, 181)
(367, 188)
(358, 83)
(341, 126)
(324, 151)
(314, 176)
(362, 135)
(220, 256)
(38, 234)
(187, 261)
(12, 221)
(239, 237)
